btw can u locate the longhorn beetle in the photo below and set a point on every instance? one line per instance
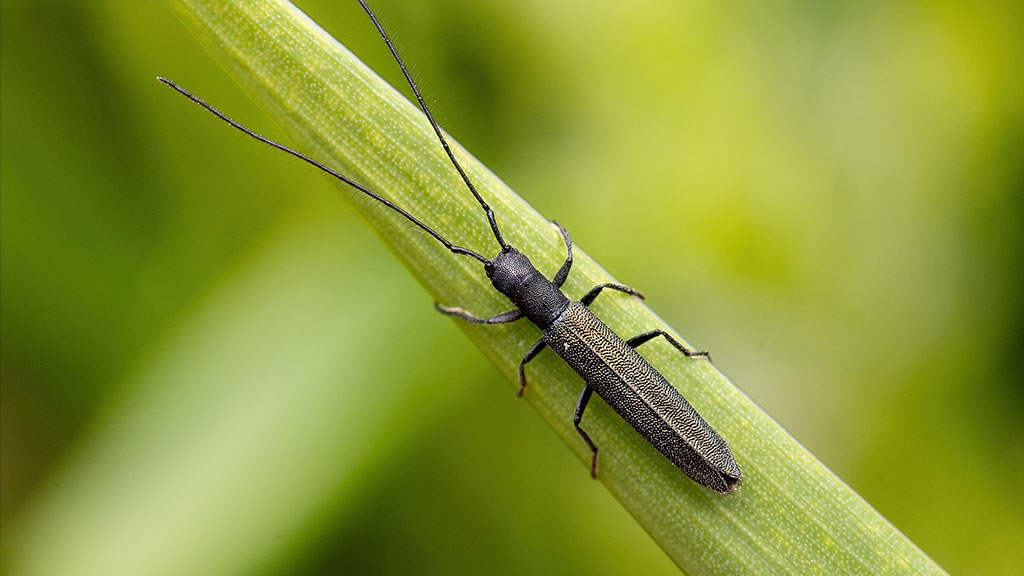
(608, 364)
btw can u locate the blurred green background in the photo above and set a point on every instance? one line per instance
(199, 338)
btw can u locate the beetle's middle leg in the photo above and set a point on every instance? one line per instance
(589, 297)
(533, 351)
(639, 339)
(510, 316)
(581, 405)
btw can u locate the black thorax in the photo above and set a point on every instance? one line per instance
(512, 273)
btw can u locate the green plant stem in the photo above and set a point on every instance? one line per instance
(791, 514)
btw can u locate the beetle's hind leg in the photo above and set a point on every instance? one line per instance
(639, 339)
(581, 405)
(510, 316)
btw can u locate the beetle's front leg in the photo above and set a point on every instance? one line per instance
(510, 316)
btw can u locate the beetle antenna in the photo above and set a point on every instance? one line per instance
(451, 247)
(437, 129)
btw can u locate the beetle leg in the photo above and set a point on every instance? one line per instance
(639, 339)
(589, 296)
(510, 316)
(563, 272)
(533, 351)
(580, 406)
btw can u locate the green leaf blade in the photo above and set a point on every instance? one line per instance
(790, 515)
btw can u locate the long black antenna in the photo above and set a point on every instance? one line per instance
(437, 129)
(453, 248)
